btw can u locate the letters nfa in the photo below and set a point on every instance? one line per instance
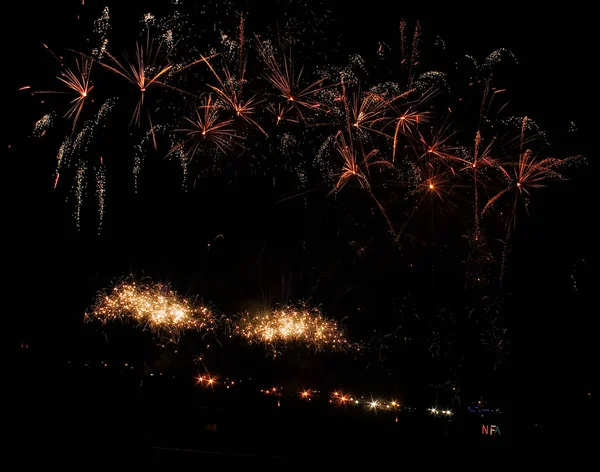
(490, 430)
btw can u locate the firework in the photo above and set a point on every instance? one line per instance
(231, 87)
(481, 158)
(289, 85)
(152, 306)
(356, 166)
(381, 130)
(435, 181)
(72, 148)
(437, 147)
(367, 110)
(150, 64)
(101, 27)
(78, 80)
(405, 124)
(230, 90)
(410, 60)
(290, 325)
(529, 172)
(207, 126)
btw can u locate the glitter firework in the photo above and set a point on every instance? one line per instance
(293, 325)
(152, 306)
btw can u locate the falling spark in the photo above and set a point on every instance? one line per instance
(101, 194)
(42, 125)
(80, 187)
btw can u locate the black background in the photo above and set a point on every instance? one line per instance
(53, 271)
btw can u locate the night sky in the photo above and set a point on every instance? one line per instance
(247, 237)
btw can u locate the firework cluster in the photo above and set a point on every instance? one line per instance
(153, 306)
(160, 309)
(218, 102)
(434, 158)
(293, 325)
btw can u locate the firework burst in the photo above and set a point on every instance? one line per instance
(78, 82)
(529, 172)
(282, 76)
(151, 63)
(293, 325)
(230, 90)
(156, 307)
(356, 166)
(207, 127)
(382, 130)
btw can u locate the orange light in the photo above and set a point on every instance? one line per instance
(431, 186)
